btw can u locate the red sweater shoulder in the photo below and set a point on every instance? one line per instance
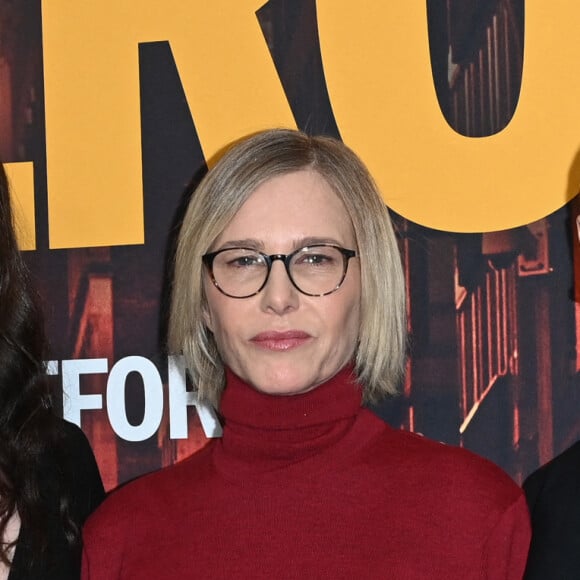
(442, 471)
(149, 500)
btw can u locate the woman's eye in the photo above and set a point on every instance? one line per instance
(244, 261)
(316, 259)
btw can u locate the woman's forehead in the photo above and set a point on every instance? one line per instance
(287, 208)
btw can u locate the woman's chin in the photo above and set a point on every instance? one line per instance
(282, 384)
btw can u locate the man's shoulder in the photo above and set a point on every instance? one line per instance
(559, 478)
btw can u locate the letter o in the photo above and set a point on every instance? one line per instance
(153, 391)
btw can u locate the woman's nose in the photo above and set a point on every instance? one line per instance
(279, 295)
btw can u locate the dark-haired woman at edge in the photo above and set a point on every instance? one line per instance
(49, 481)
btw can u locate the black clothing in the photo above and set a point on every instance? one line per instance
(553, 494)
(71, 462)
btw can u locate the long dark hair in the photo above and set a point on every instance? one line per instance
(27, 425)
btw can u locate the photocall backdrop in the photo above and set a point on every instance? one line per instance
(466, 112)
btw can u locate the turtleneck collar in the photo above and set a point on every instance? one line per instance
(264, 433)
(337, 398)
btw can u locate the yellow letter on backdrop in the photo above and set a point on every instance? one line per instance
(92, 101)
(377, 66)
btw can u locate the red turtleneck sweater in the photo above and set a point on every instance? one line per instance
(312, 486)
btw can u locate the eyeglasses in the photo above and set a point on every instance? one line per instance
(315, 270)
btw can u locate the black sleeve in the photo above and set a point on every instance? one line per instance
(68, 469)
(81, 476)
(553, 495)
(533, 487)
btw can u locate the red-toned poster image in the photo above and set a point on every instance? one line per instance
(492, 361)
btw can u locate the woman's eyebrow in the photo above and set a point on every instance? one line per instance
(254, 244)
(250, 243)
(313, 240)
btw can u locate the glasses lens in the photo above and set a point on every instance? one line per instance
(239, 272)
(318, 269)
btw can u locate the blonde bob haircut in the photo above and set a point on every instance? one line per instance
(380, 352)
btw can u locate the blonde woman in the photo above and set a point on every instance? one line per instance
(289, 307)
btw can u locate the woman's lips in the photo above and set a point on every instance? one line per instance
(287, 340)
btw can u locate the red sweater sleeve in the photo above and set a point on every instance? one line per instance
(506, 550)
(103, 546)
